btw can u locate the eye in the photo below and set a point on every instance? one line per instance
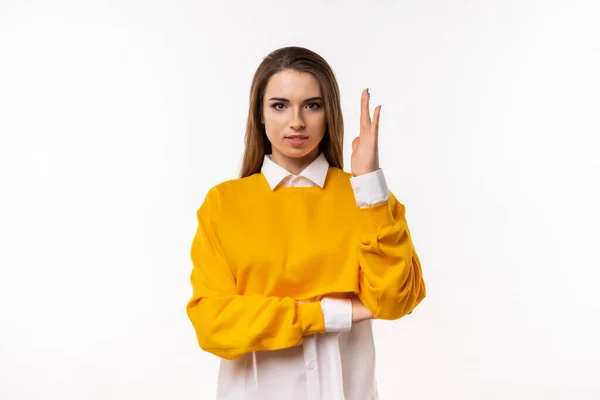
(315, 106)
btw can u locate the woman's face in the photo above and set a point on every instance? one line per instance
(293, 107)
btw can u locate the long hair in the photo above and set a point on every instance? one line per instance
(256, 143)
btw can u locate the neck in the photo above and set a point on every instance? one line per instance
(295, 165)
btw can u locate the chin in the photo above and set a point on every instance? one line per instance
(298, 152)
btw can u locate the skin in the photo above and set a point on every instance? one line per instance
(293, 104)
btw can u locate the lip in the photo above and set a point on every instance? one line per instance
(297, 142)
(296, 136)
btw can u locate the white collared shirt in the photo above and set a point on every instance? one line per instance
(336, 365)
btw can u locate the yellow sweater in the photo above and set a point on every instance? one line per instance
(257, 251)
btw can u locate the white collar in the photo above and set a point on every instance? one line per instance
(275, 173)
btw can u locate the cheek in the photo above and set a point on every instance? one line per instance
(318, 122)
(274, 120)
(273, 128)
(319, 117)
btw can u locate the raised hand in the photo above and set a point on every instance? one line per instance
(365, 151)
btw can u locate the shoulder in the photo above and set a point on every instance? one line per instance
(233, 189)
(340, 173)
(226, 194)
(338, 176)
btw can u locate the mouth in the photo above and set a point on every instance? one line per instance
(297, 137)
(297, 140)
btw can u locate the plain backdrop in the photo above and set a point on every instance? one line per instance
(116, 117)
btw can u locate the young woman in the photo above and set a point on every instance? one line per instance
(293, 260)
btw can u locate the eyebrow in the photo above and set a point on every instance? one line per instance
(287, 101)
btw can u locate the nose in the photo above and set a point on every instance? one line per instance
(297, 122)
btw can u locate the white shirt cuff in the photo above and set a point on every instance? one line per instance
(337, 314)
(370, 189)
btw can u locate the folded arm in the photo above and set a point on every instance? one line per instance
(228, 324)
(390, 277)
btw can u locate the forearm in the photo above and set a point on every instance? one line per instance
(229, 326)
(390, 278)
(340, 311)
(359, 311)
(395, 296)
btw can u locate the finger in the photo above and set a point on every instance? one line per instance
(365, 115)
(375, 124)
(355, 144)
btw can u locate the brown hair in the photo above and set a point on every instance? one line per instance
(301, 60)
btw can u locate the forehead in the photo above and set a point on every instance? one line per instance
(293, 85)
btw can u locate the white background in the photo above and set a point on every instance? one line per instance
(116, 117)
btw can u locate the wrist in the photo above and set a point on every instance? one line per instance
(365, 172)
(359, 311)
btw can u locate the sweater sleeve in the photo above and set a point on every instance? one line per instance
(228, 324)
(390, 280)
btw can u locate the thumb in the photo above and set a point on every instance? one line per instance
(355, 143)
